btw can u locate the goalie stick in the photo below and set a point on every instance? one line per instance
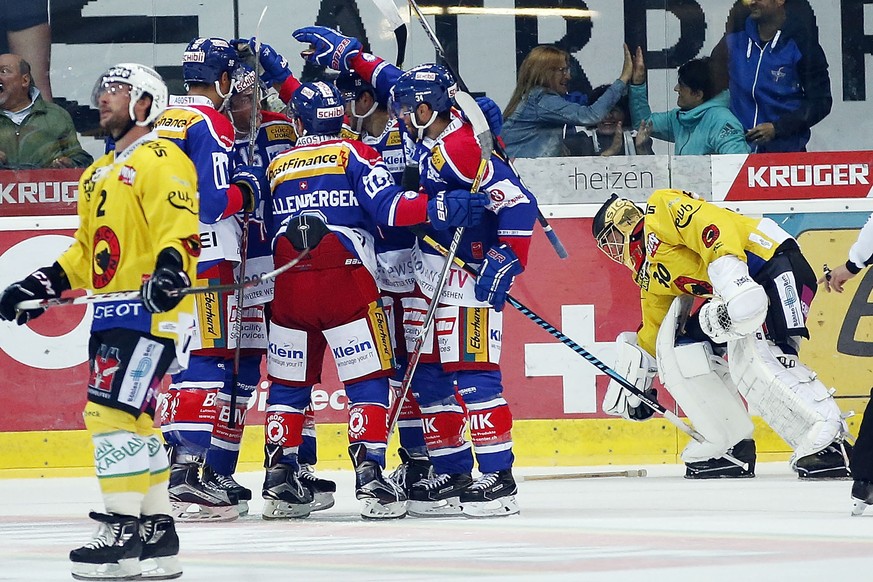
(441, 53)
(133, 295)
(644, 398)
(483, 138)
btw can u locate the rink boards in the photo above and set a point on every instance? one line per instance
(554, 393)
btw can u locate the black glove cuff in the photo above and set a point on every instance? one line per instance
(852, 268)
(170, 258)
(57, 277)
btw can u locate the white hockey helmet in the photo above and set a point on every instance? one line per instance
(142, 80)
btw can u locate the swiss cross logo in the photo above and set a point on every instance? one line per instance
(303, 185)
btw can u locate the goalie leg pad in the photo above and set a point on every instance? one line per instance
(791, 400)
(695, 377)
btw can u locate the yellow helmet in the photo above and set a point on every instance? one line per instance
(618, 230)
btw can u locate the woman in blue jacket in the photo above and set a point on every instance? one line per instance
(701, 124)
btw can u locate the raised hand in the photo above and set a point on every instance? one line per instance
(638, 77)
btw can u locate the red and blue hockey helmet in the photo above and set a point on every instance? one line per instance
(431, 84)
(320, 107)
(205, 59)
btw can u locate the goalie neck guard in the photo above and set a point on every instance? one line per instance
(618, 231)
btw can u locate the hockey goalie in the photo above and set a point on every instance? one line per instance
(742, 342)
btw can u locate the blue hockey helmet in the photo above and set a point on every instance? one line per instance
(320, 107)
(351, 85)
(205, 59)
(431, 84)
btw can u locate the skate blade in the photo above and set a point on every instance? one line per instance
(373, 509)
(322, 501)
(502, 507)
(444, 508)
(242, 508)
(166, 568)
(275, 509)
(124, 570)
(191, 512)
(858, 507)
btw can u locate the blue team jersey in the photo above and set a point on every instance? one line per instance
(347, 185)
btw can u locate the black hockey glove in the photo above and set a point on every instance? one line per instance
(45, 283)
(161, 292)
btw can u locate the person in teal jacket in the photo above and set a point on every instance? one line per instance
(701, 124)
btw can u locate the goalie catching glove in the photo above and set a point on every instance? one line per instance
(739, 306)
(637, 367)
(45, 283)
(161, 292)
(496, 275)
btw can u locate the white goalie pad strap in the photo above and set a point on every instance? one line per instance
(791, 400)
(637, 367)
(745, 299)
(695, 378)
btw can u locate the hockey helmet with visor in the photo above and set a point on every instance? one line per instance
(618, 231)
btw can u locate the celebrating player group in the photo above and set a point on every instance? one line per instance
(361, 188)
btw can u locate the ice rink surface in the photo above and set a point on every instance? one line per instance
(655, 528)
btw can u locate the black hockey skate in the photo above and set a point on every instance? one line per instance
(284, 495)
(322, 490)
(832, 462)
(380, 498)
(114, 552)
(411, 470)
(721, 468)
(193, 500)
(159, 558)
(862, 496)
(491, 495)
(228, 483)
(438, 496)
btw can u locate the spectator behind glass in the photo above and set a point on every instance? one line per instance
(702, 124)
(609, 137)
(33, 133)
(538, 111)
(27, 34)
(778, 73)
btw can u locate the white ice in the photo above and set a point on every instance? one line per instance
(655, 528)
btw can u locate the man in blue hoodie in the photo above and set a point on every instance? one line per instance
(779, 83)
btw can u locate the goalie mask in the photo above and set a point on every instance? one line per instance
(142, 80)
(618, 230)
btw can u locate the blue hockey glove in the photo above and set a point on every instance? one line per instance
(275, 67)
(454, 208)
(45, 283)
(332, 49)
(496, 275)
(492, 114)
(160, 292)
(577, 97)
(252, 180)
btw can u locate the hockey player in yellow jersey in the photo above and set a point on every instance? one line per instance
(757, 288)
(138, 228)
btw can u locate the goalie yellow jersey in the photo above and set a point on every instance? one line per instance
(682, 235)
(132, 205)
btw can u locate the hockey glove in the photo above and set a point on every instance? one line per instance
(492, 114)
(161, 292)
(496, 275)
(45, 283)
(454, 208)
(331, 49)
(275, 67)
(739, 306)
(252, 181)
(577, 97)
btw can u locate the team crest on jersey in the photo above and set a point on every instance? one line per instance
(106, 254)
(710, 235)
(127, 175)
(393, 139)
(192, 245)
(106, 363)
(693, 286)
(437, 159)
